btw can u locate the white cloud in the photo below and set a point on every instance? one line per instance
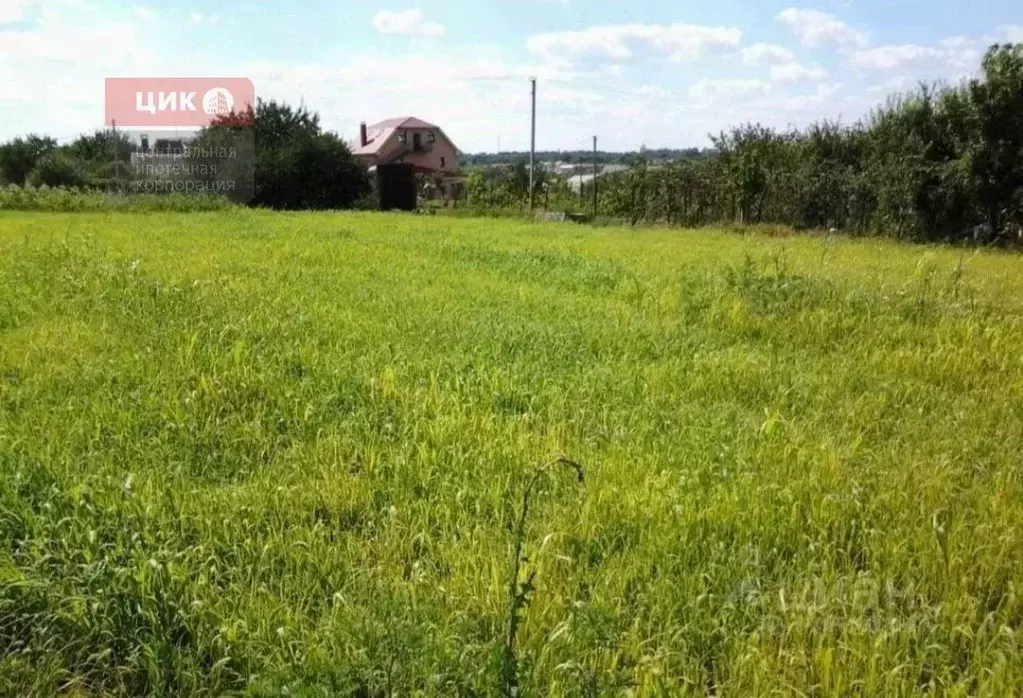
(653, 92)
(953, 54)
(824, 95)
(476, 94)
(767, 54)
(147, 14)
(962, 53)
(15, 91)
(897, 84)
(52, 77)
(405, 22)
(772, 103)
(1014, 33)
(64, 42)
(12, 11)
(796, 72)
(708, 92)
(679, 41)
(51, 80)
(783, 65)
(614, 71)
(573, 100)
(889, 57)
(199, 18)
(815, 28)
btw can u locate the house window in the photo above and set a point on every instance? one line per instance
(442, 161)
(417, 141)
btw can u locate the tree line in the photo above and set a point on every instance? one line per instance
(583, 157)
(290, 161)
(941, 163)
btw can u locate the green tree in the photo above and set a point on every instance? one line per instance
(103, 146)
(19, 157)
(488, 190)
(997, 158)
(518, 179)
(297, 164)
(750, 154)
(58, 168)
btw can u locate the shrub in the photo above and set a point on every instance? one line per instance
(61, 199)
(19, 157)
(57, 169)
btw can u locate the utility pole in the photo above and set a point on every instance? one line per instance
(532, 144)
(594, 178)
(117, 163)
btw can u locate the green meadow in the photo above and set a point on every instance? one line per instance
(264, 454)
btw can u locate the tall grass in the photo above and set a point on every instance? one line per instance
(60, 199)
(271, 454)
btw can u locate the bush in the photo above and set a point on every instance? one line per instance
(19, 157)
(61, 199)
(935, 164)
(57, 169)
(297, 164)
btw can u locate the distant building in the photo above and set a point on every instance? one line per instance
(160, 150)
(409, 141)
(577, 182)
(171, 146)
(613, 169)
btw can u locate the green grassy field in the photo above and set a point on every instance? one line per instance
(277, 454)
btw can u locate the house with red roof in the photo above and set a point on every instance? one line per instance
(407, 140)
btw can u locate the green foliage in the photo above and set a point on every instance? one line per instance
(87, 162)
(55, 199)
(519, 592)
(997, 144)
(935, 164)
(499, 189)
(58, 169)
(19, 157)
(104, 146)
(297, 164)
(284, 158)
(258, 453)
(487, 190)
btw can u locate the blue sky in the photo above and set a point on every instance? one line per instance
(653, 72)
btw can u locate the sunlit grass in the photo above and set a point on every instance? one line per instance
(264, 453)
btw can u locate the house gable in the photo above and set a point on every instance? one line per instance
(409, 140)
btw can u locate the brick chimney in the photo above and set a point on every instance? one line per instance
(362, 134)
